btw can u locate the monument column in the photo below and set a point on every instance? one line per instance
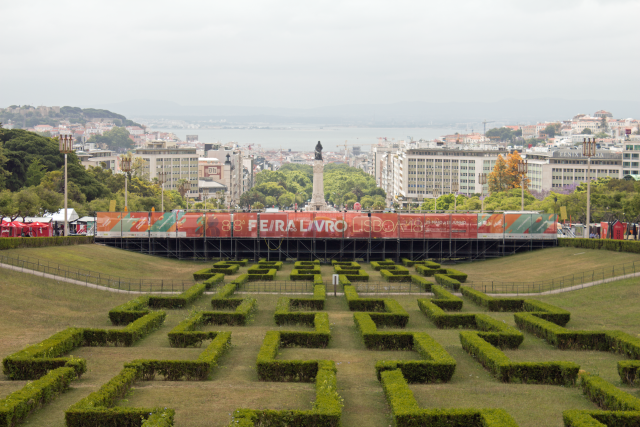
(317, 198)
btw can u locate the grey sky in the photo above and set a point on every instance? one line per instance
(308, 54)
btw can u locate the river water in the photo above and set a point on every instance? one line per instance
(305, 139)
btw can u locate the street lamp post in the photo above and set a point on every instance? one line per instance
(65, 145)
(125, 166)
(483, 181)
(162, 178)
(523, 168)
(454, 188)
(436, 194)
(588, 150)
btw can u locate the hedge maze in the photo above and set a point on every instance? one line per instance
(413, 346)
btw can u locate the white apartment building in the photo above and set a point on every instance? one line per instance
(631, 159)
(179, 163)
(410, 175)
(239, 177)
(555, 169)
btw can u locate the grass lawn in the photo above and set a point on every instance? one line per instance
(544, 264)
(116, 262)
(32, 309)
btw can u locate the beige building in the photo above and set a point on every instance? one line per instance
(556, 169)
(179, 163)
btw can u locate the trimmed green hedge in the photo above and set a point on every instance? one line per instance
(444, 299)
(338, 269)
(387, 265)
(129, 311)
(629, 371)
(36, 360)
(422, 282)
(40, 242)
(270, 369)
(126, 336)
(395, 276)
(244, 307)
(491, 303)
(326, 410)
(303, 274)
(606, 395)
(424, 263)
(241, 262)
(227, 270)
(19, 404)
(174, 370)
(427, 271)
(457, 275)
(445, 280)
(494, 360)
(261, 274)
(203, 274)
(187, 297)
(632, 246)
(577, 418)
(97, 408)
(270, 264)
(284, 315)
(306, 265)
(407, 413)
(357, 276)
(547, 311)
(384, 312)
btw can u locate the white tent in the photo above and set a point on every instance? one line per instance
(72, 215)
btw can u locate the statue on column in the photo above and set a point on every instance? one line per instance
(319, 151)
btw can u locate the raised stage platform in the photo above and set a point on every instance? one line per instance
(326, 249)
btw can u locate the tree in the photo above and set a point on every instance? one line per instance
(287, 199)
(514, 178)
(498, 178)
(257, 205)
(551, 130)
(586, 131)
(35, 173)
(271, 201)
(116, 139)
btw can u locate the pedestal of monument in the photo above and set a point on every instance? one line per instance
(317, 199)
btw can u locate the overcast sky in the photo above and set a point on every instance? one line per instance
(309, 54)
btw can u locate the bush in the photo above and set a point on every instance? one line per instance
(395, 276)
(491, 303)
(457, 275)
(444, 299)
(126, 336)
(605, 244)
(424, 263)
(337, 269)
(577, 418)
(446, 320)
(36, 360)
(257, 275)
(387, 265)
(445, 280)
(270, 265)
(244, 307)
(326, 410)
(547, 312)
(384, 312)
(357, 276)
(174, 370)
(407, 413)
(241, 262)
(494, 360)
(185, 298)
(428, 271)
(129, 311)
(203, 274)
(629, 371)
(422, 282)
(306, 265)
(40, 242)
(227, 270)
(303, 274)
(19, 404)
(606, 395)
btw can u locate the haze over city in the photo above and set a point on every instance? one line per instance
(148, 56)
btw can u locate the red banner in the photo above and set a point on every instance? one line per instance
(329, 225)
(358, 225)
(464, 226)
(437, 226)
(299, 224)
(273, 225)
(245, 225)
(411, 226)
(218, 225)
(191, 225)
(384, 226)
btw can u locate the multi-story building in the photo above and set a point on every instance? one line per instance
(238, 177)
(631, 159)
(410, 175)
(556, 169)
(179, 163)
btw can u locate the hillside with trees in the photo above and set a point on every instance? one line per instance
(26, 116)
